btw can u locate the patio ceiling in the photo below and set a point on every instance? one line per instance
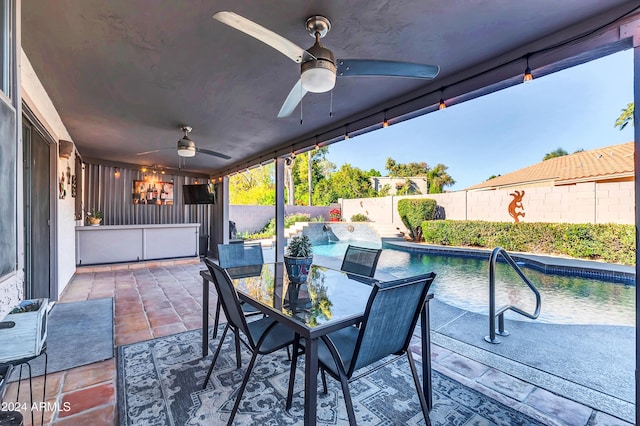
(125, 74)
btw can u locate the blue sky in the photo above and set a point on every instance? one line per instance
(510, 129)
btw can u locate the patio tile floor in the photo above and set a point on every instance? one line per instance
(159, 299)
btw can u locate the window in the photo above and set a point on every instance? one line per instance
(5, 46)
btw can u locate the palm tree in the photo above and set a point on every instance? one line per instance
(625, 117)
(438, 178)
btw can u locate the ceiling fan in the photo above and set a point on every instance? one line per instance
(187, 147)
(318, 66)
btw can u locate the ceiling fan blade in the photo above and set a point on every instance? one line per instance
(214, 153)
(295, 96)
(281, 44)
(154, 150)
(353, 67)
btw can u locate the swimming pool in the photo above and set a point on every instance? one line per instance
(463, 282)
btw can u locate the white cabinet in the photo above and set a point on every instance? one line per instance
(132, 243)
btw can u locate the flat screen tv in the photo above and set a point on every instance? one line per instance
(199, 194)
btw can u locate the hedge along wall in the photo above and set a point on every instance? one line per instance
(612, 202)
(606, 242)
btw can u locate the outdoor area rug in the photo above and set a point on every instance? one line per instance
(79, 333)
(160, 383)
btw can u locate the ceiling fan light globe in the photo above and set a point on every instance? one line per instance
(318, 80)
(186, 147)
(186, 152)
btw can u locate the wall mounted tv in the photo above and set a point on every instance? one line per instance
(199, 194)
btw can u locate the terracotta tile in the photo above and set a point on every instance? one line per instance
(167, 319)
(168, 329)
(89, 375)
(131, 326)
(154, 312)
(103, 416)
(127, 294)
(85, 399)
(569, 412)
(192, 324)
(136, 317)
(102, 269)
(157, 305)
(69, 299)
(133, 337)
(100, 294)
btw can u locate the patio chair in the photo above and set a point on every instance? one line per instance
(263, 336)
(360, 260)
(385, 330)
(233, 256)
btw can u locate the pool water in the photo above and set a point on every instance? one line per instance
(464, 283)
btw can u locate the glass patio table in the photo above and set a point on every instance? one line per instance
(329, 300)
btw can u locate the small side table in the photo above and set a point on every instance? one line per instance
(8, 418)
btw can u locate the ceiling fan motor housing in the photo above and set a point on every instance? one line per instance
(319, 75)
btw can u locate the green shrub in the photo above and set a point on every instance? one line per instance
(359, 217)
(606, 242)
(415, 210)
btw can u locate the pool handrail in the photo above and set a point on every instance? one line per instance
(491, 338)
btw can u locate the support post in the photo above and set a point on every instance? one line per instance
(280, 164)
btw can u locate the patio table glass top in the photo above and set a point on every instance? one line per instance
(327, 297)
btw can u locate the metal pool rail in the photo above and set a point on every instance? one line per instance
(491, 338)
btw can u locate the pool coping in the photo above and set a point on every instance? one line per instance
(615, 273)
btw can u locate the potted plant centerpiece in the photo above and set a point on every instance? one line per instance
(94, 217)
(298, 258)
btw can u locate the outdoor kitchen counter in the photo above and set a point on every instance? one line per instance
(131, 243)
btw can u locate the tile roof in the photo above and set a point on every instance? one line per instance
(605, 163)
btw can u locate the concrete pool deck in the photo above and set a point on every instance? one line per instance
(583, 372)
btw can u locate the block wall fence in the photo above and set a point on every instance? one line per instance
(580, 203)
(253, 218)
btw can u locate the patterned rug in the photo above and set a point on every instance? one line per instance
(160, 383)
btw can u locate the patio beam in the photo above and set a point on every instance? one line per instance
(636, 126)
(280, 209)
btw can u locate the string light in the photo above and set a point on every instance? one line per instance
(346, 133)
(527, 73)
(116, 172)
(385, 123)
(442, 105)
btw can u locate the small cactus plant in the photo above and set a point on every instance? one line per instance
(299, 246)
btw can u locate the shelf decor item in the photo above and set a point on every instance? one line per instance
(94, 217)
(298, 259)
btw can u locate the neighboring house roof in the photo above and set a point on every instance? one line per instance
(608, 163)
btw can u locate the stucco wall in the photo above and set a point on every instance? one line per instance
(253, 218)
(36, 97)
(581, 203)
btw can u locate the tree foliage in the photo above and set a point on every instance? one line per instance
(253, 187)
(347, 182)
(320, 169)
(406, 170)
(626, 117)
(559, 152)
(438, 178)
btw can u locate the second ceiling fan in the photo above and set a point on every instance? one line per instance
(186, 147)
(318, 66)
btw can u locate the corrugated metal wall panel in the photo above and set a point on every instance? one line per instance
(111, 194)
